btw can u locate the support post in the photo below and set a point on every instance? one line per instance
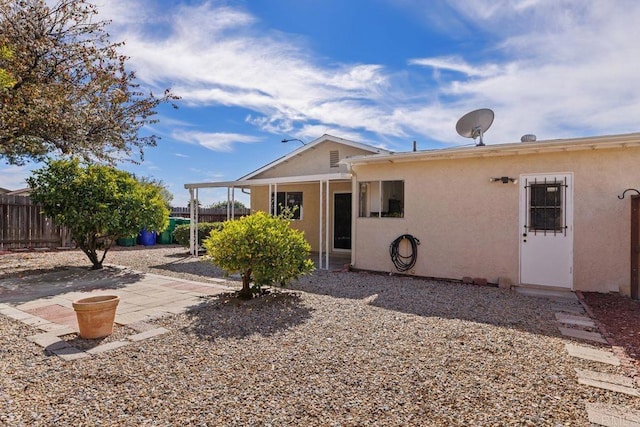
(320, 228)
(233, 203)
(192, 234)
(327, 204)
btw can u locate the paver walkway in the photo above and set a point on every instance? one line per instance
(45, 302)
(574, 322)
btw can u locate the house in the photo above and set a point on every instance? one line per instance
(310, 179)
(543, 213)
(20, 192)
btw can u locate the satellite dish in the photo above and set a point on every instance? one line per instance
(475, 124)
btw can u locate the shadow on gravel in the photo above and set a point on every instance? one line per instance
(225, 316)
(30, 286)
(190, 265)
(432, 298)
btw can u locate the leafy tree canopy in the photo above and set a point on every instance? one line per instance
(264, 249)
(64, 89)
(223, 205)
(167, 195)
(97, 203)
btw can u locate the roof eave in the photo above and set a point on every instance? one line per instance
(245, 183)
(311, 145)
(510, 149)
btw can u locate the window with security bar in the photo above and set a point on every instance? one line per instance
(546, 206)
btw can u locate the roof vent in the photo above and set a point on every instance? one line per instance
(334, 158)
(528, 138)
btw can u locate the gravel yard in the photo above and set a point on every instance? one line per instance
(335, 349)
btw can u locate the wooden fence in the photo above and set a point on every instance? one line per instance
(209, 214)
(22, 225)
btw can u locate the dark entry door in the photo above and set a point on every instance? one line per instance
(635, 246)
(342, 221)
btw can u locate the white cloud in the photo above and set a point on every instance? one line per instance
(13, 177)
(216, 56)
(564, 68)
(554, 67)
(456, 64)
(213, 141)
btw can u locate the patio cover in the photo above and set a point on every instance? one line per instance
(322, 179)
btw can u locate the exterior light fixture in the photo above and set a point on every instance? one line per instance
(504, 180)
(293, 139)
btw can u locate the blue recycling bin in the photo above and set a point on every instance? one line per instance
(147, 238)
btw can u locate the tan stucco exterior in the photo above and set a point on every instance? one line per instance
(469, 226)
(314, 161)
(310, 221)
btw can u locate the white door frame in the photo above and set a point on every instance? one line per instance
(546, 252)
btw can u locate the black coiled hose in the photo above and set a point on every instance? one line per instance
(404, 262)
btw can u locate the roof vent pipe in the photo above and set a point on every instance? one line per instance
(414, 146)
(528, 138)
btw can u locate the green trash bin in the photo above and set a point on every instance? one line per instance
(174, 222)
(165, 238)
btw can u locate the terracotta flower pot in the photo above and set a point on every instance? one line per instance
(96, 315)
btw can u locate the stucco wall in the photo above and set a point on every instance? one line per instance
(314, 160)
(468, 226)
(309, 223)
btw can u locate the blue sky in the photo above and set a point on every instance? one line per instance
(382, 72)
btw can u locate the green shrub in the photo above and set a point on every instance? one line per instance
(264, 249)
(181, 233)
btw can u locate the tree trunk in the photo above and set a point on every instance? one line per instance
(89, 247)
(245, 292)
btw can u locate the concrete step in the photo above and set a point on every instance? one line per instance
(551, 293)
(575, 320)
(612, 415)
(582, 335)
(592, 354)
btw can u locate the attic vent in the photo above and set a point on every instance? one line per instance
(334, 158)
(528, 138)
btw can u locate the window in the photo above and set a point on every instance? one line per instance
(546, 205)
(545, 208)
(381, 199)
(290, 199)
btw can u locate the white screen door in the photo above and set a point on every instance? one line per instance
(546, 230)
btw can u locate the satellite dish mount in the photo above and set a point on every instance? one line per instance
(475, 124)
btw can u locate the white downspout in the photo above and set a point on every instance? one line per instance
(270, 203)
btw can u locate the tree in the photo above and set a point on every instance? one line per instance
(97, 203)
(167, 195)
(262, 248)
(237, 204)
(66, 90)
